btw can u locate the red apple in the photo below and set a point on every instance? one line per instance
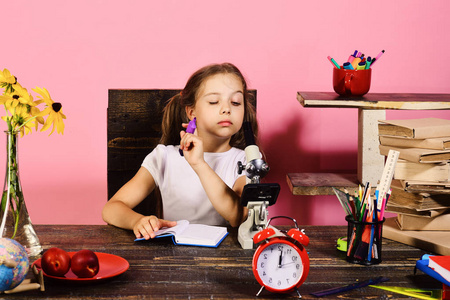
(55, 262)
(85, 264)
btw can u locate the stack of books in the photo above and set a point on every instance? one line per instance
(421, 186)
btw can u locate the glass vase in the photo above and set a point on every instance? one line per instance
(16, 223)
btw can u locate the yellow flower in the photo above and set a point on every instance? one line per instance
(7, 80)
(6, 77)
(53, 110)
(17, 101)
(21, 120)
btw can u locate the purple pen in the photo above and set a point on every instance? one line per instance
(192, 126)
(190, 129)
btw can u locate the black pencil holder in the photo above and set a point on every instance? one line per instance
(364, 241)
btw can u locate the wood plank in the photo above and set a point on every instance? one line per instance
(403, 101)
(320, 183)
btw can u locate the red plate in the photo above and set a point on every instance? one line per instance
(110, 266)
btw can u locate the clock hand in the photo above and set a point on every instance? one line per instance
(280, 259)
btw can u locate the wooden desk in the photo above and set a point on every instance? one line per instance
(371, 108)
(159, 269)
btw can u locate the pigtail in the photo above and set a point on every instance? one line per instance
(174, 114)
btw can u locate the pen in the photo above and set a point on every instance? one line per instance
(355, 62)
(361, 66)
(377, 57)
(368, 62)
(335, 64)
(352, 56)
(190, 129)
(348, 66)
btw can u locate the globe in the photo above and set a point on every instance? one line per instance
(10, 277)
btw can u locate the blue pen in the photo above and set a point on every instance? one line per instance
(190, 129)
(372, 231)
(348, 66)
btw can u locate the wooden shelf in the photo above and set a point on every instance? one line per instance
(403, 101)
(320, 183)
(372, 108)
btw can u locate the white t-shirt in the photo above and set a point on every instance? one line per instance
(182, 193)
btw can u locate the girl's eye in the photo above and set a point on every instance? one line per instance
(213, 102)
(235, 103)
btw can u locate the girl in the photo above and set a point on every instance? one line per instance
(203, 185)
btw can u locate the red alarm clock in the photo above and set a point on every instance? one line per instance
(281, 263)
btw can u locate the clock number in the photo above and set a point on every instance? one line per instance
(297, 266)
(279, 282)
(270, 280)
(265, 255)
(262, 265)
(294, 258)
(280, 248)
(294, 275)
(289, 251)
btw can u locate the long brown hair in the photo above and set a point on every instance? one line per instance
(175, 112)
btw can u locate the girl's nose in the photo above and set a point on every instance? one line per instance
(225, 109)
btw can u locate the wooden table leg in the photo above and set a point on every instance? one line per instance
(370, 161)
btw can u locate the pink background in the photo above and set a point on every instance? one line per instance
(80, 49)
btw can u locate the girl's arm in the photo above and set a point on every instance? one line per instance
(225, 200)
(118, 211)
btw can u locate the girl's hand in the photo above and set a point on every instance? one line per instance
(192, 146)
(147, 226)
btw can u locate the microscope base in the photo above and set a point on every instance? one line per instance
(252, 225)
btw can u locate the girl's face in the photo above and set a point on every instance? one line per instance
(219, 106)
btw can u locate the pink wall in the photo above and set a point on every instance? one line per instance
(80, 49)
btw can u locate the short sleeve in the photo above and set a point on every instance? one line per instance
(155, 163)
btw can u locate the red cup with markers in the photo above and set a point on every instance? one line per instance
(352, 78)
(351, 83)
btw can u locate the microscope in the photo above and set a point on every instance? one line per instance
(255, 196)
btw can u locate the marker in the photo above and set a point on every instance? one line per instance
(361, 66)
(348, 66)
(335, 64)
(355, 62)
(359, 54)
(378, 57)
(368, 62)
(352, 56)
(190, 129)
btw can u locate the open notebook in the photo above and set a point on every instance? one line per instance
(185, 233)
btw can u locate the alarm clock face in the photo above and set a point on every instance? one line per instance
(280, 265)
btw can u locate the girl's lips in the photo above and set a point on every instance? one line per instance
(225, 123)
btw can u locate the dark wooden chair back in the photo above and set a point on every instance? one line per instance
(134, 130)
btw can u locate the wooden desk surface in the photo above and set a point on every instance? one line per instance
(408, 101)
(159, 269)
